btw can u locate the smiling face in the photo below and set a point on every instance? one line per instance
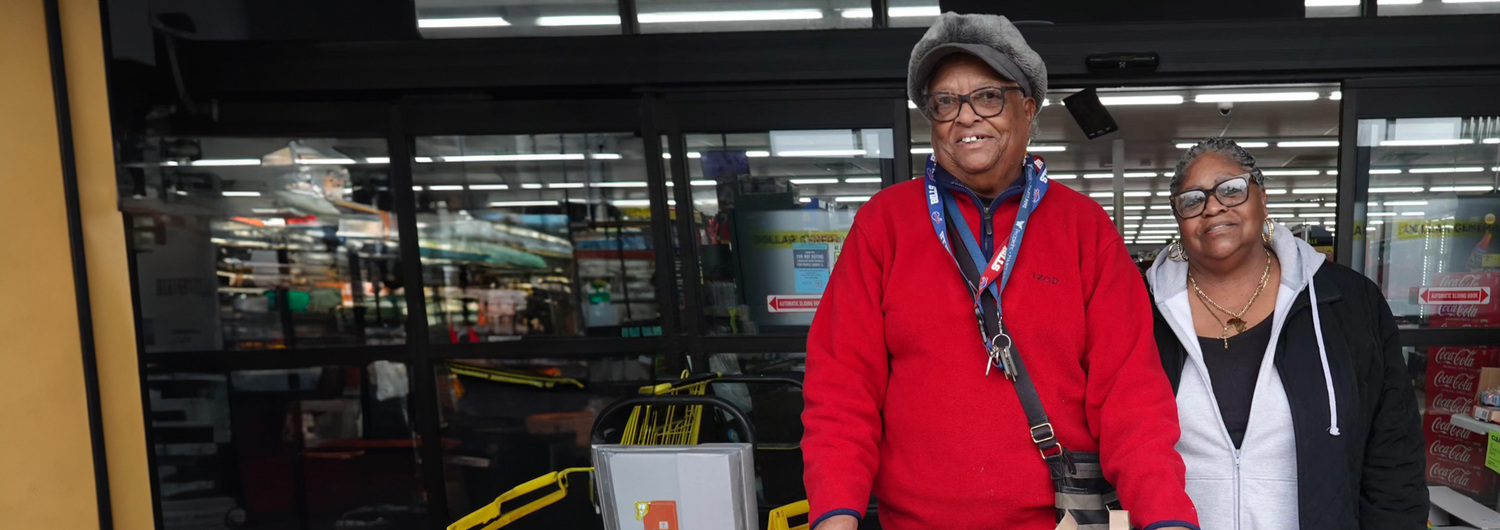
(984, 153)
(1221, 232)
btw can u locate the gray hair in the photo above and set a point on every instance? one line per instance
(1216, 146)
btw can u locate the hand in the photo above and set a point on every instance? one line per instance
(840, 522)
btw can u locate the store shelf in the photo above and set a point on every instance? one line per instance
(1460, 509)
(1468, 422)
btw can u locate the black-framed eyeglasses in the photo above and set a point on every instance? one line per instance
(1230, 193)
(987, 102)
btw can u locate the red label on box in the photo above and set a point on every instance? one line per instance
(1464, 358)
(1438, 426)
(1467, 478)
(1466, 453)
(1452, 380)
(1449, 402)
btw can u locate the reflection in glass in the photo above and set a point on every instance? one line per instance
(688, 16)
(1415, 8)
(535, 235)
(1429, 223)
(313, 448)
(772, 211)
(463, 19)
(249, 243)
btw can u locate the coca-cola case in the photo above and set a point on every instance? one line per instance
(1474, 480)
(1468, 315)
(1440, 426)
(1448, 403)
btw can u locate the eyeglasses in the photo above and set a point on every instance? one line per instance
(1230, 193)
(987, 102)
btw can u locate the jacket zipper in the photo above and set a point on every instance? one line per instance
(1203, 374)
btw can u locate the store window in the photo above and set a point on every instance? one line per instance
(690, 16)
(1292, 130)
(535, 235)
(263, 243)
(1430, 218)
(772, 210)
(447, 19)
(318, 448)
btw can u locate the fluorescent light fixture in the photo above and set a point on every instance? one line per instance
(446, 187)
(1426, 143)
(1161, 207)
(378, 160)
(485, 187)
(1413, 214)
(1460, 189)
(702, 183)
(241, 194)
(1163, 193)
(564, 185)
(911, 105)
(226, 162)
(619, 185)
(606, 156)
(514, 158)
(503, 204)
(531, 186)
(1253, 145)
(862, 180)
(1255, 97)
(1314, 191)
(921, 150)
(1298, 205)
(1135, 207)
(1316, 215)
(462, 22)
(757, 154)
(1397, 189)
(1186, 145)
(325, 161)
(1469, 1)
(894, 12)
(1159, 225)
(1099, 194)
(1137, 194)
(1331, 172)
(1047, 148)
(1140, 100)
(1141, 174)
(1492, 140)
(729, 16)
(694, 154)
(1465, 169)
(1377, 222)
(1399, 2)
(631, 203)
(416, 188)
(1406, 203)
(579, 20)
(1098, 175)
(1385, 172)
(1061, 176)
(1275, 191)
(1308, 143)
(1338, 95)
(1156, 232)
(864, 198)
(805, 200)
(1046, 101)
(1160, 217)
(1290, 172)
(422, 159)
(1382, 214)
(831, 153)
(814, 181)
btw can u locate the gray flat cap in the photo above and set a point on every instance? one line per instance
(991, 38)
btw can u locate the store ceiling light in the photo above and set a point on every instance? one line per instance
(1308, 143)
(1316, 215)
(487, 187)
(825, 153)
(1398, 189)
(694, 154)
(757, 154)
(1337, 95)
(1118, 101)
(504, 204)
(1439, 142)
(1253, 145)
(911, 105)
(606, 156)
(1330, 3)
(1492, 140)
(1098, 175)
(579, 20)
(1290, 172)
(416, 188)
(423, 160)
(1255, 97)
(1047, 148)
(1314, 191)
(1157, 232)
(921, 150)
(894, 12)
(1406, 203)
(680, 17)
(1275, 191)
(1460, 189)
(1382, 214)
(515, 157)
(462, 22)
(1469, 1)
(1385, 172)
(1061, 176)
(1159, 225)
(378, 160)
(801, 182)
(1413, 214)
(1137, 194)
(565, 185)
(1399, 2)
(1140, 174)
(619, 184)
(862, 180)
(631, 203)
(1464, 169)
(702, 183)
(226, 162)
(1160, 218)
(862, 198)
(241, 193)
(446, 187)
(1104, 194)
(325, 161)
(1300, 205)
(531, 186)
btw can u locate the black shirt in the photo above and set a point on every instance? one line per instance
(1233, 372)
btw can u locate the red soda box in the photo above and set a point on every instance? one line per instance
(1435, 426)
(1446, 403)
(1474, 480)
(1462, 358)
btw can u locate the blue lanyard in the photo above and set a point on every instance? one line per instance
(1000, 267)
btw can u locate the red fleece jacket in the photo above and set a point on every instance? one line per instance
(897, 401)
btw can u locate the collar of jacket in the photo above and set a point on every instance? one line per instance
(951, 183)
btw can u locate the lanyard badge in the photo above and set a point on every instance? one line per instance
(995, 274)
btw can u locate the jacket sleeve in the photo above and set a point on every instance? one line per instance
(1130, 406)
(845, 385)
(1393, 490)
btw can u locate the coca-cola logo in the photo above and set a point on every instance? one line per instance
(1457, 382)
(1463, 454)
(1452, 403)
(1461, 358)
(1467, 280)
(1453, 475)
(1441, 426)
(1466, 311)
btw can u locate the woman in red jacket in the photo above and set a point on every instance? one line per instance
(917, 380)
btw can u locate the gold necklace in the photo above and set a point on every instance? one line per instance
(1236, 318)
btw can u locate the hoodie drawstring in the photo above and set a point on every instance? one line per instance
(1333, 400)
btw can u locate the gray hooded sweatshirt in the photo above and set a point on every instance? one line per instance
(1253, 487)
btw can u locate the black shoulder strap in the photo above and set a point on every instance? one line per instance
(1031, 403)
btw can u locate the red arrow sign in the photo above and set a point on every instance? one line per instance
(793, 303)
(1454, 295)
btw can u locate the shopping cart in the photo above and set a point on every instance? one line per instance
(664, 414)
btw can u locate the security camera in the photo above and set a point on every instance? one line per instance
(1226, 108)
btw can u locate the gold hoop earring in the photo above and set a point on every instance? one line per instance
(1176, 253)
(1268, 232)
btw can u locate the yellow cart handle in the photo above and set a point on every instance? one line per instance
(490, 516)
(779, 516)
